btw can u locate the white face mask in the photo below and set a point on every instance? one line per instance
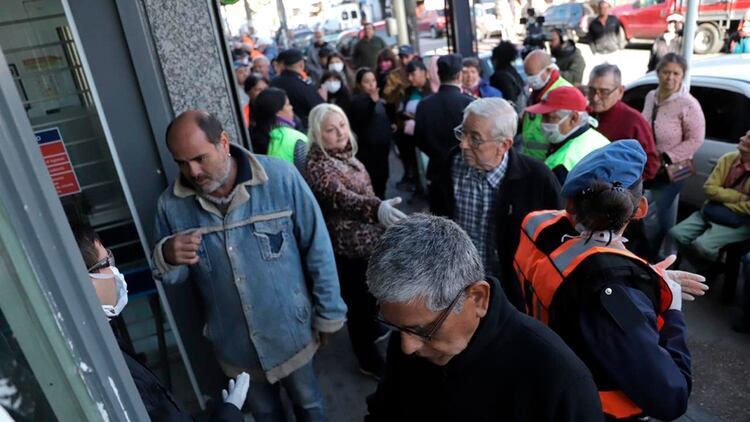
(336, 67)
(122, 292)
(537, 82)
(551, 131)
(332, 86)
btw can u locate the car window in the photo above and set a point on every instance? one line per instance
(635, 97)
(725, 111)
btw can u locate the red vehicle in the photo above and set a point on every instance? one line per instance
(433, 22)
(716, 18)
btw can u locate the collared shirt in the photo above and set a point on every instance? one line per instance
(476, 193)
(735, 173)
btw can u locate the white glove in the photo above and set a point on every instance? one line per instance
(237, 391)
(388, 214)
(692, 284)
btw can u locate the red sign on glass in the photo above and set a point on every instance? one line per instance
(57, 161)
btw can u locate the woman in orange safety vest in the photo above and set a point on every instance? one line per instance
(619, 314)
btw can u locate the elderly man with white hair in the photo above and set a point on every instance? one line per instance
(460, 351)
(488, 188)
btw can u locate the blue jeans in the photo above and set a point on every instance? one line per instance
(264, 399)
(662, 214)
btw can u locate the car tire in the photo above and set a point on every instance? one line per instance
(707, 39)
(434, 34)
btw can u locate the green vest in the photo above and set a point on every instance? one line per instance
(282, 142)
(575, 149)
(534, 144)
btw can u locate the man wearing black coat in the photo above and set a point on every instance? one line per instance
(439, 113)
(488, 188)
(301, 93)
(462, 352)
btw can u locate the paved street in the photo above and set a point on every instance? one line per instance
(721, 362)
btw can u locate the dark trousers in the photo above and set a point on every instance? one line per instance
(408, 155)
(375, 160)
(361, 323)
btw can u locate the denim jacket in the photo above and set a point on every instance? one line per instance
(266, 269)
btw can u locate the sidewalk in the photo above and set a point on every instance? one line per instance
(721, 358)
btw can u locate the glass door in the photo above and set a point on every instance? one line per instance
(43, 58)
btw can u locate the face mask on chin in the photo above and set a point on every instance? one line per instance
(112, 311)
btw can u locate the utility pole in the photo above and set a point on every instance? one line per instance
(688, 36)
(411, 22)
(399, 12)
(282, 23)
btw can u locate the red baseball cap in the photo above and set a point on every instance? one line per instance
(563, 98)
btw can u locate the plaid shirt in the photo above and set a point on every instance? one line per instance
(476, 193)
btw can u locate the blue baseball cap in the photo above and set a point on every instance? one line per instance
(620, 161)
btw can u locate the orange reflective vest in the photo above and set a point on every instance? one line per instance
(542, 274)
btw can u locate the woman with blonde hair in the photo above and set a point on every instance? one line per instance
(355, 218)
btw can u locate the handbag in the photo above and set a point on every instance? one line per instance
(675, 172)
(680, 170)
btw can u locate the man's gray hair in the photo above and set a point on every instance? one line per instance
(423, 258)
(605, 69)
(499, 112)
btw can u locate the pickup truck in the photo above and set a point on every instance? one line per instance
(647, 19)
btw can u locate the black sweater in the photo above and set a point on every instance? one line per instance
(514, 369)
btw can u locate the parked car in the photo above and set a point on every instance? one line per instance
(647, 19)
(487, 22)
(432, 22)
(572, 18)
(722, 87)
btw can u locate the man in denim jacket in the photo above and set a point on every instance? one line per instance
(249, 232)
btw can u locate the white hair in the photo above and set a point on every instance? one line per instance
(317, 115)
(424, 258)
(499, 112)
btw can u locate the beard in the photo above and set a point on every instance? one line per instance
(218, 181)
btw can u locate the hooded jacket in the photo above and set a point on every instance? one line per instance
(570, 61)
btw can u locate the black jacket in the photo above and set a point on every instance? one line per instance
(436, 117)
(302, 96)
(606, 38)
(528, 186)
(513, 369)
(510, 83)
(161, 405)
(570, 61)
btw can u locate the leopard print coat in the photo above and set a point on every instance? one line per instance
(344, 191)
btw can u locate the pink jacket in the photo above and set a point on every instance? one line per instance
(680, 127)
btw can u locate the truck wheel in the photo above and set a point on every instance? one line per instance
(707, 39)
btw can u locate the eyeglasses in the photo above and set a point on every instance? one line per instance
(459, 133)
(602, 93)
(425, 333)
(107, 262)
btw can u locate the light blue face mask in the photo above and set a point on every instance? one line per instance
(122, 292)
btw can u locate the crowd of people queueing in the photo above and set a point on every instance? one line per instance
(517, 299)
